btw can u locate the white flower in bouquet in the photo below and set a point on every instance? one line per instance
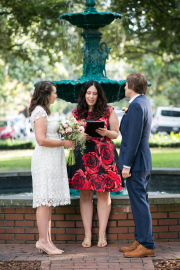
(70, 129)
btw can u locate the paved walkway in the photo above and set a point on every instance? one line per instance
(94, 258)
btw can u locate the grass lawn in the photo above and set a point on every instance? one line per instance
(15, 160)
(168, 157)
(21, 159)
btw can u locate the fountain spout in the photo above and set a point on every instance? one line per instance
(90, 6)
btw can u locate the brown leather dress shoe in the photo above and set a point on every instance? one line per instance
(140, 252)
(131, 248)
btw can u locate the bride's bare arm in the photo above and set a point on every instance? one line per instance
(40, 133)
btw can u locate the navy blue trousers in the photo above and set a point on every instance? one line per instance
(137, 186)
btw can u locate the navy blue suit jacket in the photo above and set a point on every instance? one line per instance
(135, 130)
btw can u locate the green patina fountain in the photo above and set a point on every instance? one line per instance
(94, 55)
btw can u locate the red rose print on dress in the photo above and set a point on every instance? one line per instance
(85, 125)
(75, 114)
(111, 180)
(98, 147)
(70, 182)
(91, 162)
(110, 143)
(114, 168)
(107, 155)
(96, 182)
(78, 179)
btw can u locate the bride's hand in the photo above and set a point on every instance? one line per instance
(69, 144)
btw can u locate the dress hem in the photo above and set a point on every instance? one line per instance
(54, 205)
(98, 190)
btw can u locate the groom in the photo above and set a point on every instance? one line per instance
(135, 163)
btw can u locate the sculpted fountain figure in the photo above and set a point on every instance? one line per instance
(94, 55)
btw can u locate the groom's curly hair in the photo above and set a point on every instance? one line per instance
(41, 96)
(100, 108)
(138, 83)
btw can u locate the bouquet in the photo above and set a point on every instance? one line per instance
(71, 129)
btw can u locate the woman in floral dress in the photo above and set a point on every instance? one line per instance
(97, 169)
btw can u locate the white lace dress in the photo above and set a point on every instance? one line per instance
(48, 167)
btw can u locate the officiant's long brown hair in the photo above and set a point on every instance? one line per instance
(100, 108)
(41, 96)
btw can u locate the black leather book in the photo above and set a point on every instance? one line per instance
(92, 126)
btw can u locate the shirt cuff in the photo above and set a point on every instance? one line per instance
(126, 167)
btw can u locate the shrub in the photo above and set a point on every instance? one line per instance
(158, 140)
(16, 144)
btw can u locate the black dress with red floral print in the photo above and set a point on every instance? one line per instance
(97, 169)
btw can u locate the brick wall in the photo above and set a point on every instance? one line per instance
(18, 224)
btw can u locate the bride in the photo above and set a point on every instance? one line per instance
(48, 166)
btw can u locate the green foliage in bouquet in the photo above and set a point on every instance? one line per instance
(73, 130)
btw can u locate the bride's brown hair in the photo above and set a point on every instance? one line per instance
(41, 96)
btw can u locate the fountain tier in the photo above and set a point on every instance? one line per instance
(94, 55)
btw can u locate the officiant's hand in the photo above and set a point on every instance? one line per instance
(88, 137)
(102, 131)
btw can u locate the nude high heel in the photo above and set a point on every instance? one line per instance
(41, 249)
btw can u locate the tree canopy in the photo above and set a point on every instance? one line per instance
(152, 24)
(35, 44)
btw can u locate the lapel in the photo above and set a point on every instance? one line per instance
(122, 120)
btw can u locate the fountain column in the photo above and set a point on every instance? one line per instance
(94, 55)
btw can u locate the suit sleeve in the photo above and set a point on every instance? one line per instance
(135, 128)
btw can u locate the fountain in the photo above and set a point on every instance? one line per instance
(94, 55)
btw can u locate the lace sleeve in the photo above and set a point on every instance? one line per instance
(36, 114)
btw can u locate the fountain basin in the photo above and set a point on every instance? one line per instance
(69, 89)
(162, 180)
(91, 20)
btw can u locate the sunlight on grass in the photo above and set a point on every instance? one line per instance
(14, 164)
(169, 158)
(15, 154)
(165, 150)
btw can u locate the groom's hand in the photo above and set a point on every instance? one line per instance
(126, 172)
